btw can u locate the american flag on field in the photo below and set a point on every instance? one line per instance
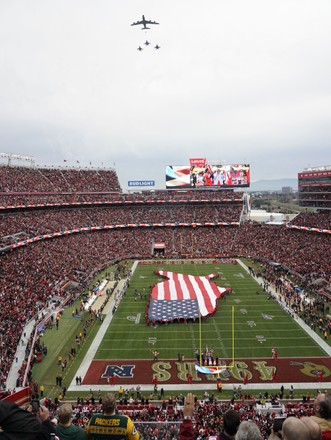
(181, 296)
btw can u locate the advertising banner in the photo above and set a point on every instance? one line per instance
(141, 183)
(199, 162)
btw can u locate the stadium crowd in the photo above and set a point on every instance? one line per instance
(313, 220)
(305, 253)
(35, 223)
(109, 198)
(31, 276)
(29, 186)
(60, 180)
(179, 418)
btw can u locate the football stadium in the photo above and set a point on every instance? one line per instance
(154, 294)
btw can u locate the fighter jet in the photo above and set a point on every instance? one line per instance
(144, 22)
(140, 48)
(157, 47)
(147, 43)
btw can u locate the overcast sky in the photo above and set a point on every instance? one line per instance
(242, 81)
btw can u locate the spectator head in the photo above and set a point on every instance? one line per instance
(64, 414)
(322, 406)
(314, 428)
(109, 403)
(294, 429)
(248, 431)
(231, 421)
(278, 427)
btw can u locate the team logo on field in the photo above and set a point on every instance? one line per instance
(119, 371)
(313, 370)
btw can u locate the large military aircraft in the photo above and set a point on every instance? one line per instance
(144, 22)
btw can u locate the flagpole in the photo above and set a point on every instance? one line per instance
(200, 338)
(232, 332)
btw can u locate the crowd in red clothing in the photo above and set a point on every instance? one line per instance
(60, 180)
(30, 276)
(313, 220)
(109, 197)
(29, 224)
(159, 420)
(303, 252)
(40, 185)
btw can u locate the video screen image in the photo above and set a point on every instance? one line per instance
(197, 176)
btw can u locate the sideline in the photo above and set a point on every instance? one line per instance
(84, 366)
(277, 297)
(206, 387)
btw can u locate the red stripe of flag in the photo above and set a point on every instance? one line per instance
(178, 286)
(208, 295)
(167, 293)
(216, 289)
(202, 296)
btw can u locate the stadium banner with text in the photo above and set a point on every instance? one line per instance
(198, 162)
(141, 183)
(205, 175)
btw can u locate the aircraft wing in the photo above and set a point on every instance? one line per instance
(144, 22)
(137, 22)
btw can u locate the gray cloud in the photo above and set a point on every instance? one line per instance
(239, 81)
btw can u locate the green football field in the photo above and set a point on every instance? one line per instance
(246, 326)
(258, 323)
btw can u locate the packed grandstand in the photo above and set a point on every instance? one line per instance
(49, 215)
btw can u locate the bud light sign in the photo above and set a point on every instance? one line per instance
(141, 183)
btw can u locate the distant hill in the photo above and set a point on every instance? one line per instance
(273, 185)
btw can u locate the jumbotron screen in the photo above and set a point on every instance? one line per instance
(204, 175)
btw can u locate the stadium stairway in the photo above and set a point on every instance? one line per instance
(13, 374)
(19, 356)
